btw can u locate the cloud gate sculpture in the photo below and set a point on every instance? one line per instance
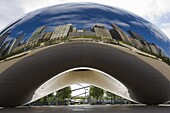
(57, 46)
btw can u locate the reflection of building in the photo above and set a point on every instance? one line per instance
(15, 43)
(141, 39)
(3, 48)
(37, 34)
(100, 30)
(61, 31)
(81, 33)
(154, 48)
(47, 36)
(74, 29)
(119, 34)
(3, 37)
(136, 43)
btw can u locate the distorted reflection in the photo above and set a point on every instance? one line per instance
(87, 22)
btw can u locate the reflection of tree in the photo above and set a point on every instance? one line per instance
(96, 92)
(111, 96)
(63, 94)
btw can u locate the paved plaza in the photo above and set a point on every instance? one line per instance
(89, 109)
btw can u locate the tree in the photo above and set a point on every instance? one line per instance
(63, 94)
(111, 96)
(96, 92)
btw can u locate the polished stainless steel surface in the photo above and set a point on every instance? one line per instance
(48, 42)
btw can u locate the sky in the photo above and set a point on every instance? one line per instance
(155, 11)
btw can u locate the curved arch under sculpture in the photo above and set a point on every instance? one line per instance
(83, 75)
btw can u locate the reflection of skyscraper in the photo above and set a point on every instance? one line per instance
(3, 37)
(15, 42)
(61, 31)
(74, 29)
(136, 35)
(81, 33)
(47, 36)
(119, 34)
(136, 43)
(37, 34)
(142, 40)
(154, 48)
(100, 30)
(3, 48)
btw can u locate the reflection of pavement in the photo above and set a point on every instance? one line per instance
(24, 77)
(90, 109)
(157, 64)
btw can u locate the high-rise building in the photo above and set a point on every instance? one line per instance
(141, 39)
(47, 36)
(136, 35)
(119, 34)
(3, 37)
(101, 31)
(3, 48)
(136, 43)
(74, 29)
(81, 33)
(61, 31)
(154, 48)
(37, 34)
(15, 43)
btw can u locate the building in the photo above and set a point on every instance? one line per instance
(74, 29)
(81, 33)
(15, 43)
(154, 48)
(3, 47)
(3, 37)
(37, 34)
(141, 39)
(101, 31)
(119, 34)
(136, 35)
(61, 31)
(136, 43)
(47, 36)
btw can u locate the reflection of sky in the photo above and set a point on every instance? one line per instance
(85, 16)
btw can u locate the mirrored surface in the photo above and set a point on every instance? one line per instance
(49, 41)
(85, 20)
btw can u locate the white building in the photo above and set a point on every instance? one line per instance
(61, 31)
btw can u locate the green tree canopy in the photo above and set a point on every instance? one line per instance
(96, 92)
(64, 93)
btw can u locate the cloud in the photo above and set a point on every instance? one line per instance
(9, 12)
(120, 23)
(136, 23)
(165, 27)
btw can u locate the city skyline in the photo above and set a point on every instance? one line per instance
(86, 19)
(69, 30)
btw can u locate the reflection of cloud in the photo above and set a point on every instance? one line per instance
(62, 17)
(166, 29)
(136, 23)
(19, 32)
(120, 23)
(156, 32)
